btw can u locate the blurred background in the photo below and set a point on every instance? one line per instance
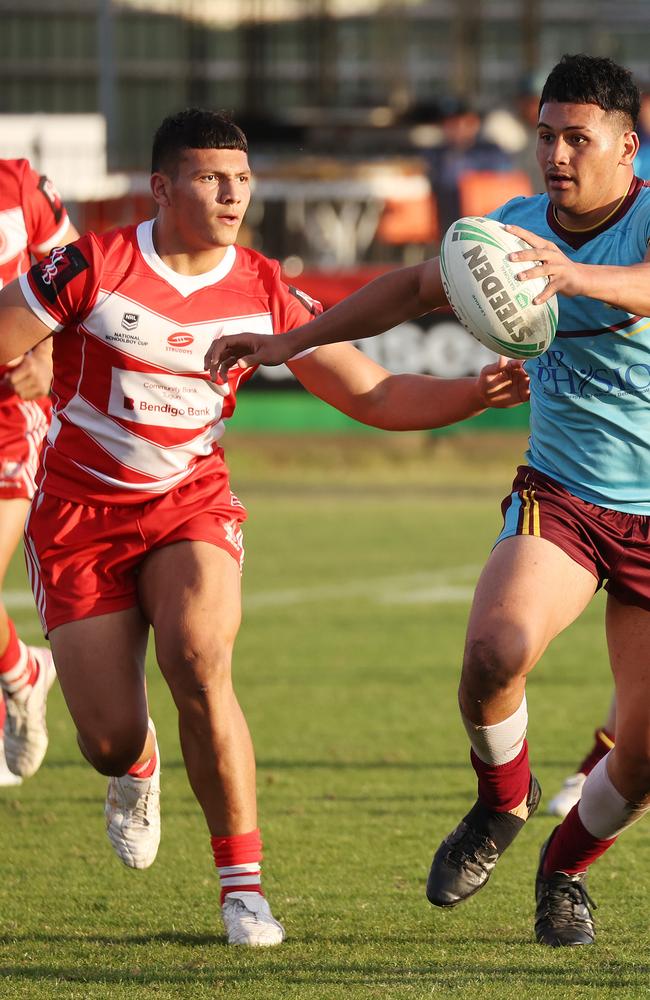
(373, 124)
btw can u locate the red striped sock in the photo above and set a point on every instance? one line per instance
(572, 848)
(238, 861)
(18, 668)
(505, 786)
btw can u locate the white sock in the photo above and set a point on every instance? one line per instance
(16, 680)
(603, 810)
(502, 742)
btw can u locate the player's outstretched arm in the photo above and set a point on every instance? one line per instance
(345, 378)
(379, 306)
(20, 329)
(625, 288)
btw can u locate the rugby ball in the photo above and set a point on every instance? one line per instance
(485, 294)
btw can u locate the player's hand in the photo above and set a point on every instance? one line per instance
(503, 383)
(563, 274)
(244, 350)
(31, 376)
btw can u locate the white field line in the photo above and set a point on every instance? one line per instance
(450, 586)
(454, 585)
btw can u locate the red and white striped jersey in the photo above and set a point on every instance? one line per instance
(32, 219)
(135, 413)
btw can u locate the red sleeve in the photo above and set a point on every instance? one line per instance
(44, 212)
(292, 307)
(62, 288)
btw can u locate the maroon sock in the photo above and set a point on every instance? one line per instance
(572, 848)
(505, 786)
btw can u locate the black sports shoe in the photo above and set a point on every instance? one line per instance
(563, 915)
(465, 859)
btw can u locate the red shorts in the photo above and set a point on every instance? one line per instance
(83, 560)
(612, 545)
(23, 426)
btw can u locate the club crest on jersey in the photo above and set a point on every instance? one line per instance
(130, 320)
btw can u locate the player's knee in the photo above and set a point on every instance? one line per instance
(198, 668)
(492, 663)
(115, 754)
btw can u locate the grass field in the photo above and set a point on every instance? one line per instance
(357, 588)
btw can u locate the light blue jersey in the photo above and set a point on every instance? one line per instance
(590, 392)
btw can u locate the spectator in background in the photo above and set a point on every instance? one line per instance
(463, 148)
(514, 128)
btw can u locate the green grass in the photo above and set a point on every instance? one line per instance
(347, 664)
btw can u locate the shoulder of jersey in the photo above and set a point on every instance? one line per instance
(523, 207)
(12, 173)
(257, 260)
(14, 168)
(113, 244)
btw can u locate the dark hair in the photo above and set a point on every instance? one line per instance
(581, 79)
(194, 128)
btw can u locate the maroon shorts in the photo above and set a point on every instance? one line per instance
(612, 545)
(83, 560)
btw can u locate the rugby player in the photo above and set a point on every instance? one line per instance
(33, 220)
(134, 524)
(578, 513)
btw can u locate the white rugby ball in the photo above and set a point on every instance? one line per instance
(481, 285)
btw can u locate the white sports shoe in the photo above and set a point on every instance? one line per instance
(25, 730)
(7, 777)
(132, 813)
(566, 798)
(248, 920)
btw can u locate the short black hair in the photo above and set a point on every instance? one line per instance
(582, 79)
(193, 128)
